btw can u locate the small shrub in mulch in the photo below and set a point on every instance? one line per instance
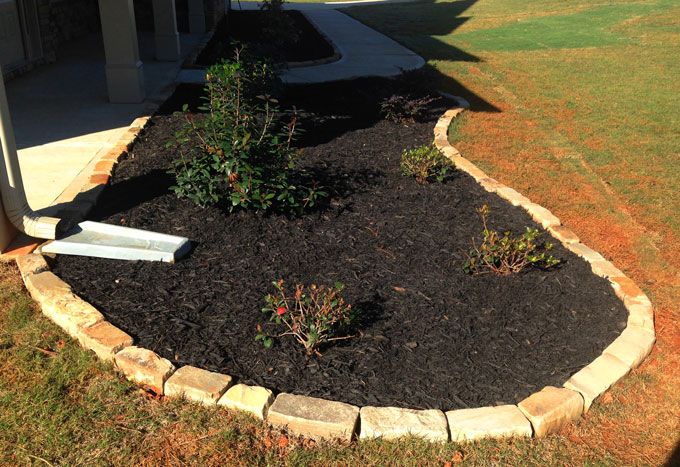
(239, 154)
(314, 316)
(405, 109)
(425, 163)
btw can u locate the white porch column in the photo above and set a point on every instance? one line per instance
(165, 25)
(124, 74)
(196, 17)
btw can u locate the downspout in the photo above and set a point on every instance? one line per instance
(12, 186)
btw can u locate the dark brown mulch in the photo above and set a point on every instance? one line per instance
(431, 335)
(246, 27)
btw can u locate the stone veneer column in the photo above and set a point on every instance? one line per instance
(165, 26)
(124, 73)
(196, 17)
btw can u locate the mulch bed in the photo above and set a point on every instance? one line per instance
(245, 27)
(432, 336)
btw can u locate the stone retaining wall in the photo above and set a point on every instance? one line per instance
(540, 414)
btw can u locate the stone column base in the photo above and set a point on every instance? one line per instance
(125, 83)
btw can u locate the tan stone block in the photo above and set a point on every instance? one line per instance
(632, 346)
(605, 269)
(551, 408)
(594, 379)
(505, 421)
(491, 184)
(471, 169)
(100, 178)
(144, 367)
(640, 314)
(104, 339)
(450, 152)
(252, 399)
(393, 423)
(31, 264)
(541, 215)
(58, 303)
(563, 234)
(514, 197)
(585, 252)
(314, 418)
(198, 385)
(45, 285)
(625, 287)
(71, 313)
(441, 140)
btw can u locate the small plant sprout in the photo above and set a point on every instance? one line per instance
(425, 163)
(506, 254)
(314, 316)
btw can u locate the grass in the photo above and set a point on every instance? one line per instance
(574, 104)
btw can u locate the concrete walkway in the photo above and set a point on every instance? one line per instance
(62, 117)
(364, 51)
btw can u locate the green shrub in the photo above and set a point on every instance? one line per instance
(506, 254)
(425, 163)
(239, 154)
(313, 317)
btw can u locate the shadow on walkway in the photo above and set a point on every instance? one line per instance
(427, 37)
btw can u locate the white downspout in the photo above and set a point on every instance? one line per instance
(12, 186)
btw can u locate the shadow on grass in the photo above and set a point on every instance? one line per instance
(425, 31)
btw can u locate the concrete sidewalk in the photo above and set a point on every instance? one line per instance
(62, 117)
(306, 6)
(364, 52)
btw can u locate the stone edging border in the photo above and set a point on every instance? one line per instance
(542, 413)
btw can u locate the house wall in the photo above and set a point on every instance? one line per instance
(61, 21)
(65, 20)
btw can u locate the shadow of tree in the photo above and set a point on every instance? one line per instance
(426, 32)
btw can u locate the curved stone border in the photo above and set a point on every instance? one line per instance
(542, 413)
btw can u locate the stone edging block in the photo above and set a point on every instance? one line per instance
(104, 339)
(197, 385)
(144, 367)
(313, 417)
(632, 346)
(392, 423)
(593, 380)
(254, 400)
(504, 421)
(551, 409)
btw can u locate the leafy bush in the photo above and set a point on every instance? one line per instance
(506, 254)
(403, 109)
(240, 153)
(313, 317)
(425, 163)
